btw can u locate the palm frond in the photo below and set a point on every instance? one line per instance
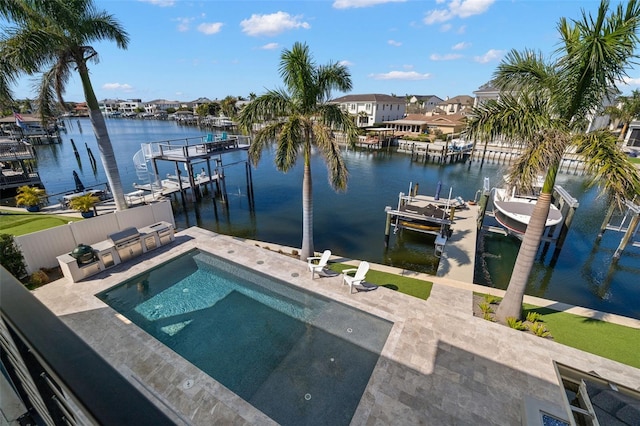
(337, 170)
(608, 166)
(542, 153)
(290, 139)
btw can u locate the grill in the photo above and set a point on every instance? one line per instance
(127, 243)
(164, 230)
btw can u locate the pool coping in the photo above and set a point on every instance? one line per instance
(440, 365)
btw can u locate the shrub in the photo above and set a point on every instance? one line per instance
(485, 308)
(491, 299)
(84, 203)
(515, 323)
(38, 278)
(533, 317)
(11, 256)
(30, 196)
(539, 329)
(487, 316)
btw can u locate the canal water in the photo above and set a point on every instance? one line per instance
(352, 223)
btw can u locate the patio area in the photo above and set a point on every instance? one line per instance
(440, 365)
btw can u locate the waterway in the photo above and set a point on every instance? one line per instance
(352, 223)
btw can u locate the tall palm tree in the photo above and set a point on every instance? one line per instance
(299, 116)
(52, 37)
(544, 104)
(627, 110)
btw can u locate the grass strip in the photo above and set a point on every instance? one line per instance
(411, 286)
(608, 340)
(14, 223)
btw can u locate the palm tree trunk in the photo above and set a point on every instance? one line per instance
(511, 305)
(307, 206)
(623, 131)
(107, 155)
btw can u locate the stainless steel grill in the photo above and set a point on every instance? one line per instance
(127, 243)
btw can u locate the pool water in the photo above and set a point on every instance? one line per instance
(300, 358)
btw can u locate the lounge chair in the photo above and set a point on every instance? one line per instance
(316, 264)
(359, 276)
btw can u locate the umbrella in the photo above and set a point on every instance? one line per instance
(79, 185)
(438, 188)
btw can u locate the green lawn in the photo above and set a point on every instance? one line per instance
(16, 223)
(411, 286)
(606, 339)
(609, 340)
(635, 160)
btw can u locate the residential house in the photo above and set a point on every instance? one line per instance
(632, 140)
(372, 108)
(422, 103)
(155, 106)
(447, 124)
(455, 105)
(486, 92)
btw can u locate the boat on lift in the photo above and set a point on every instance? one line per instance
(513, 211)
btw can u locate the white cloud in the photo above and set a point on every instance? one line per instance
(348, 4)
(460, 46)
(161, 3)
(117, 86)
(462, 29)
(271, 25)
(184, 24)
(457, 8)
(491, 55)
(446, 57)
(346, 63)
(394, 43)
(210, 28)
(445, 27)
(400, 75)
(270, 46)
(629, 81)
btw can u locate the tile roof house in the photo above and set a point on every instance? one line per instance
(419, 123)
(372, 108)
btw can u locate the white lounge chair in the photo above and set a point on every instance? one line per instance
(359, 276)
(316, 264)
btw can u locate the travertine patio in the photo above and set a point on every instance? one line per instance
(439, 366)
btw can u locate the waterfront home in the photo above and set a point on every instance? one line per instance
(632, 140)
(418, 123)
(372, 108)
(455, 105)
(422, 103)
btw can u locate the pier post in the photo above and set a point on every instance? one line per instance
(606, 220)
(631, 229)
(387, 226)
(482, 203)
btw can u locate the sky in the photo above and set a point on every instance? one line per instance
(185, 49)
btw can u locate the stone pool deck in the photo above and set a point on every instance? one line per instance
(440, 365)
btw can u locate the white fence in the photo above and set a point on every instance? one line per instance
(40, 249)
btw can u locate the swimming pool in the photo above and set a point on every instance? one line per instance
(298, 357)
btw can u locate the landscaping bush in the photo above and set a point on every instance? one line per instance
(11, 256)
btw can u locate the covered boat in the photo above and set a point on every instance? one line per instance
(514, 211)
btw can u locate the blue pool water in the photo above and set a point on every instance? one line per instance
(299, 358)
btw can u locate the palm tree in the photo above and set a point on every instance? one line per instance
(299, 116)
(52, 37)
(627, 110)
(544, 104)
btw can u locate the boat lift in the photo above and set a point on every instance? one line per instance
(632, 214)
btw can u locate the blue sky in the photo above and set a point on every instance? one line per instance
(185, 49)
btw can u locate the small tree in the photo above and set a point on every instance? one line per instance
(11, 256)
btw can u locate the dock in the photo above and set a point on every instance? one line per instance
(437, 151)
(206, 152)
(455, 228)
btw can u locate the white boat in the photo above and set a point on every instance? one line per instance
(514, 211)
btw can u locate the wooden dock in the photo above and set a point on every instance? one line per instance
(456, 233)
